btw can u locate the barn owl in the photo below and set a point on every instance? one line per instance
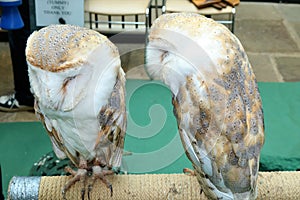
(79, 89)
(216, 101)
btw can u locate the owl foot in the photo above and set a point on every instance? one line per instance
(79, 175)
(100, 173)
(189, 171)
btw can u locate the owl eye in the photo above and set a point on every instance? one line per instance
(66, 81)
(164, 55)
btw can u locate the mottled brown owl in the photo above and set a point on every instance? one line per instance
(216, 101)
(79, 89)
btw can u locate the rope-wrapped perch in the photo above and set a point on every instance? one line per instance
(271, 185)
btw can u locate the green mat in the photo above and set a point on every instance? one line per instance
(281, 103)
(152, 136)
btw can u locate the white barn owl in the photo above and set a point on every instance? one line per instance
(216, 101)
(79, 89)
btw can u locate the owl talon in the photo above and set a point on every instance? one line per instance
(64, 195)
(80, 175)
(82, 193)
(111, 190)
(90, 187)
(189, 172)
(99, 173)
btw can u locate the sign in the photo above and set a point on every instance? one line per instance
(59, 12)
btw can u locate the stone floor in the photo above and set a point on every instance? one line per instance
(269, 32)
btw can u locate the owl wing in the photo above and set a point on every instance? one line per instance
(224, 153)
(112, 122)
(57, 142)
(199, 133)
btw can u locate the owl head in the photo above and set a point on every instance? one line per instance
(66, 63)
(182, 44)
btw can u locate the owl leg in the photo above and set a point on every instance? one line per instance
(79, 175)
(100, 173)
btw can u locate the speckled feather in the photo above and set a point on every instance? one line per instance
(216, 101)
(79, 90)
(59, 47)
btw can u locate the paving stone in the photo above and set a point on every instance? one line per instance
(262, 67)
(137, 73)
(296, 27)
(132, 59)
(261, 11)
(132, 55)
(265, 36)
(289, 67)
(6, 74)
(291, 12)
(23, 116)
